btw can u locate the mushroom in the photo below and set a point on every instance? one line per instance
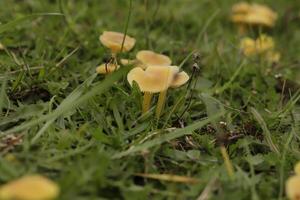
(273, 56)
(245, 14)
(33, 187)
(292, 187)
(117, 42)
(247, 45)
(264, 43)
(156, 79)
(263, 46)
(148, 58)
(145, 58)
(107, 68)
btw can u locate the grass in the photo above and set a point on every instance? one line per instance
(86, 132)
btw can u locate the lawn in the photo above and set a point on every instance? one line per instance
(86, 131)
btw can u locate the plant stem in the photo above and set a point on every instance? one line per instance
(161, 103)
(126, 25)
(227, 161)
(242, 29)
(147, 101)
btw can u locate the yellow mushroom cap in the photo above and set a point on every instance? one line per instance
(34, 187)
(253, 14)
(292, 188)
(264, 43)
(254, 18)
(151, 58)
(180, 79)
(107, 68)
(247, 45)
(241, 7)
(274, 57)
(154, 78)
(297, 168)
(114, 40)
(264, 10)
(238, 18)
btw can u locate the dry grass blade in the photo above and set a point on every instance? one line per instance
(208, 189)
(169, 177)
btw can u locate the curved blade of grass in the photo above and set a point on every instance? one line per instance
(234, 76)
(167, 137)
(266, 132)
(206, 25)
(127, 24)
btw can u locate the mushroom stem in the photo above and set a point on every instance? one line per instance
(147, 101)
(242, 29)
(227, 161)
(161, 103)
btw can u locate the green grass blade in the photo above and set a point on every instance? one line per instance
(168, 137)
(266, 131)
(72, 101)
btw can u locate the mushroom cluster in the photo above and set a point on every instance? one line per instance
(244, 15)
(293, 184)
(117, 43)
(152, 72)
(31, 187)
(263, 46)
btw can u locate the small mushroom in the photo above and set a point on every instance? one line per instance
(156, 79)
(153, 79)
(114, 41)
(264, 43)
(149, 58)
(107, 68)
(145, 58)
(273, 56)
(247, 45)
(263, 46)
(244, 14)
(292, 187)
(31, 187)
